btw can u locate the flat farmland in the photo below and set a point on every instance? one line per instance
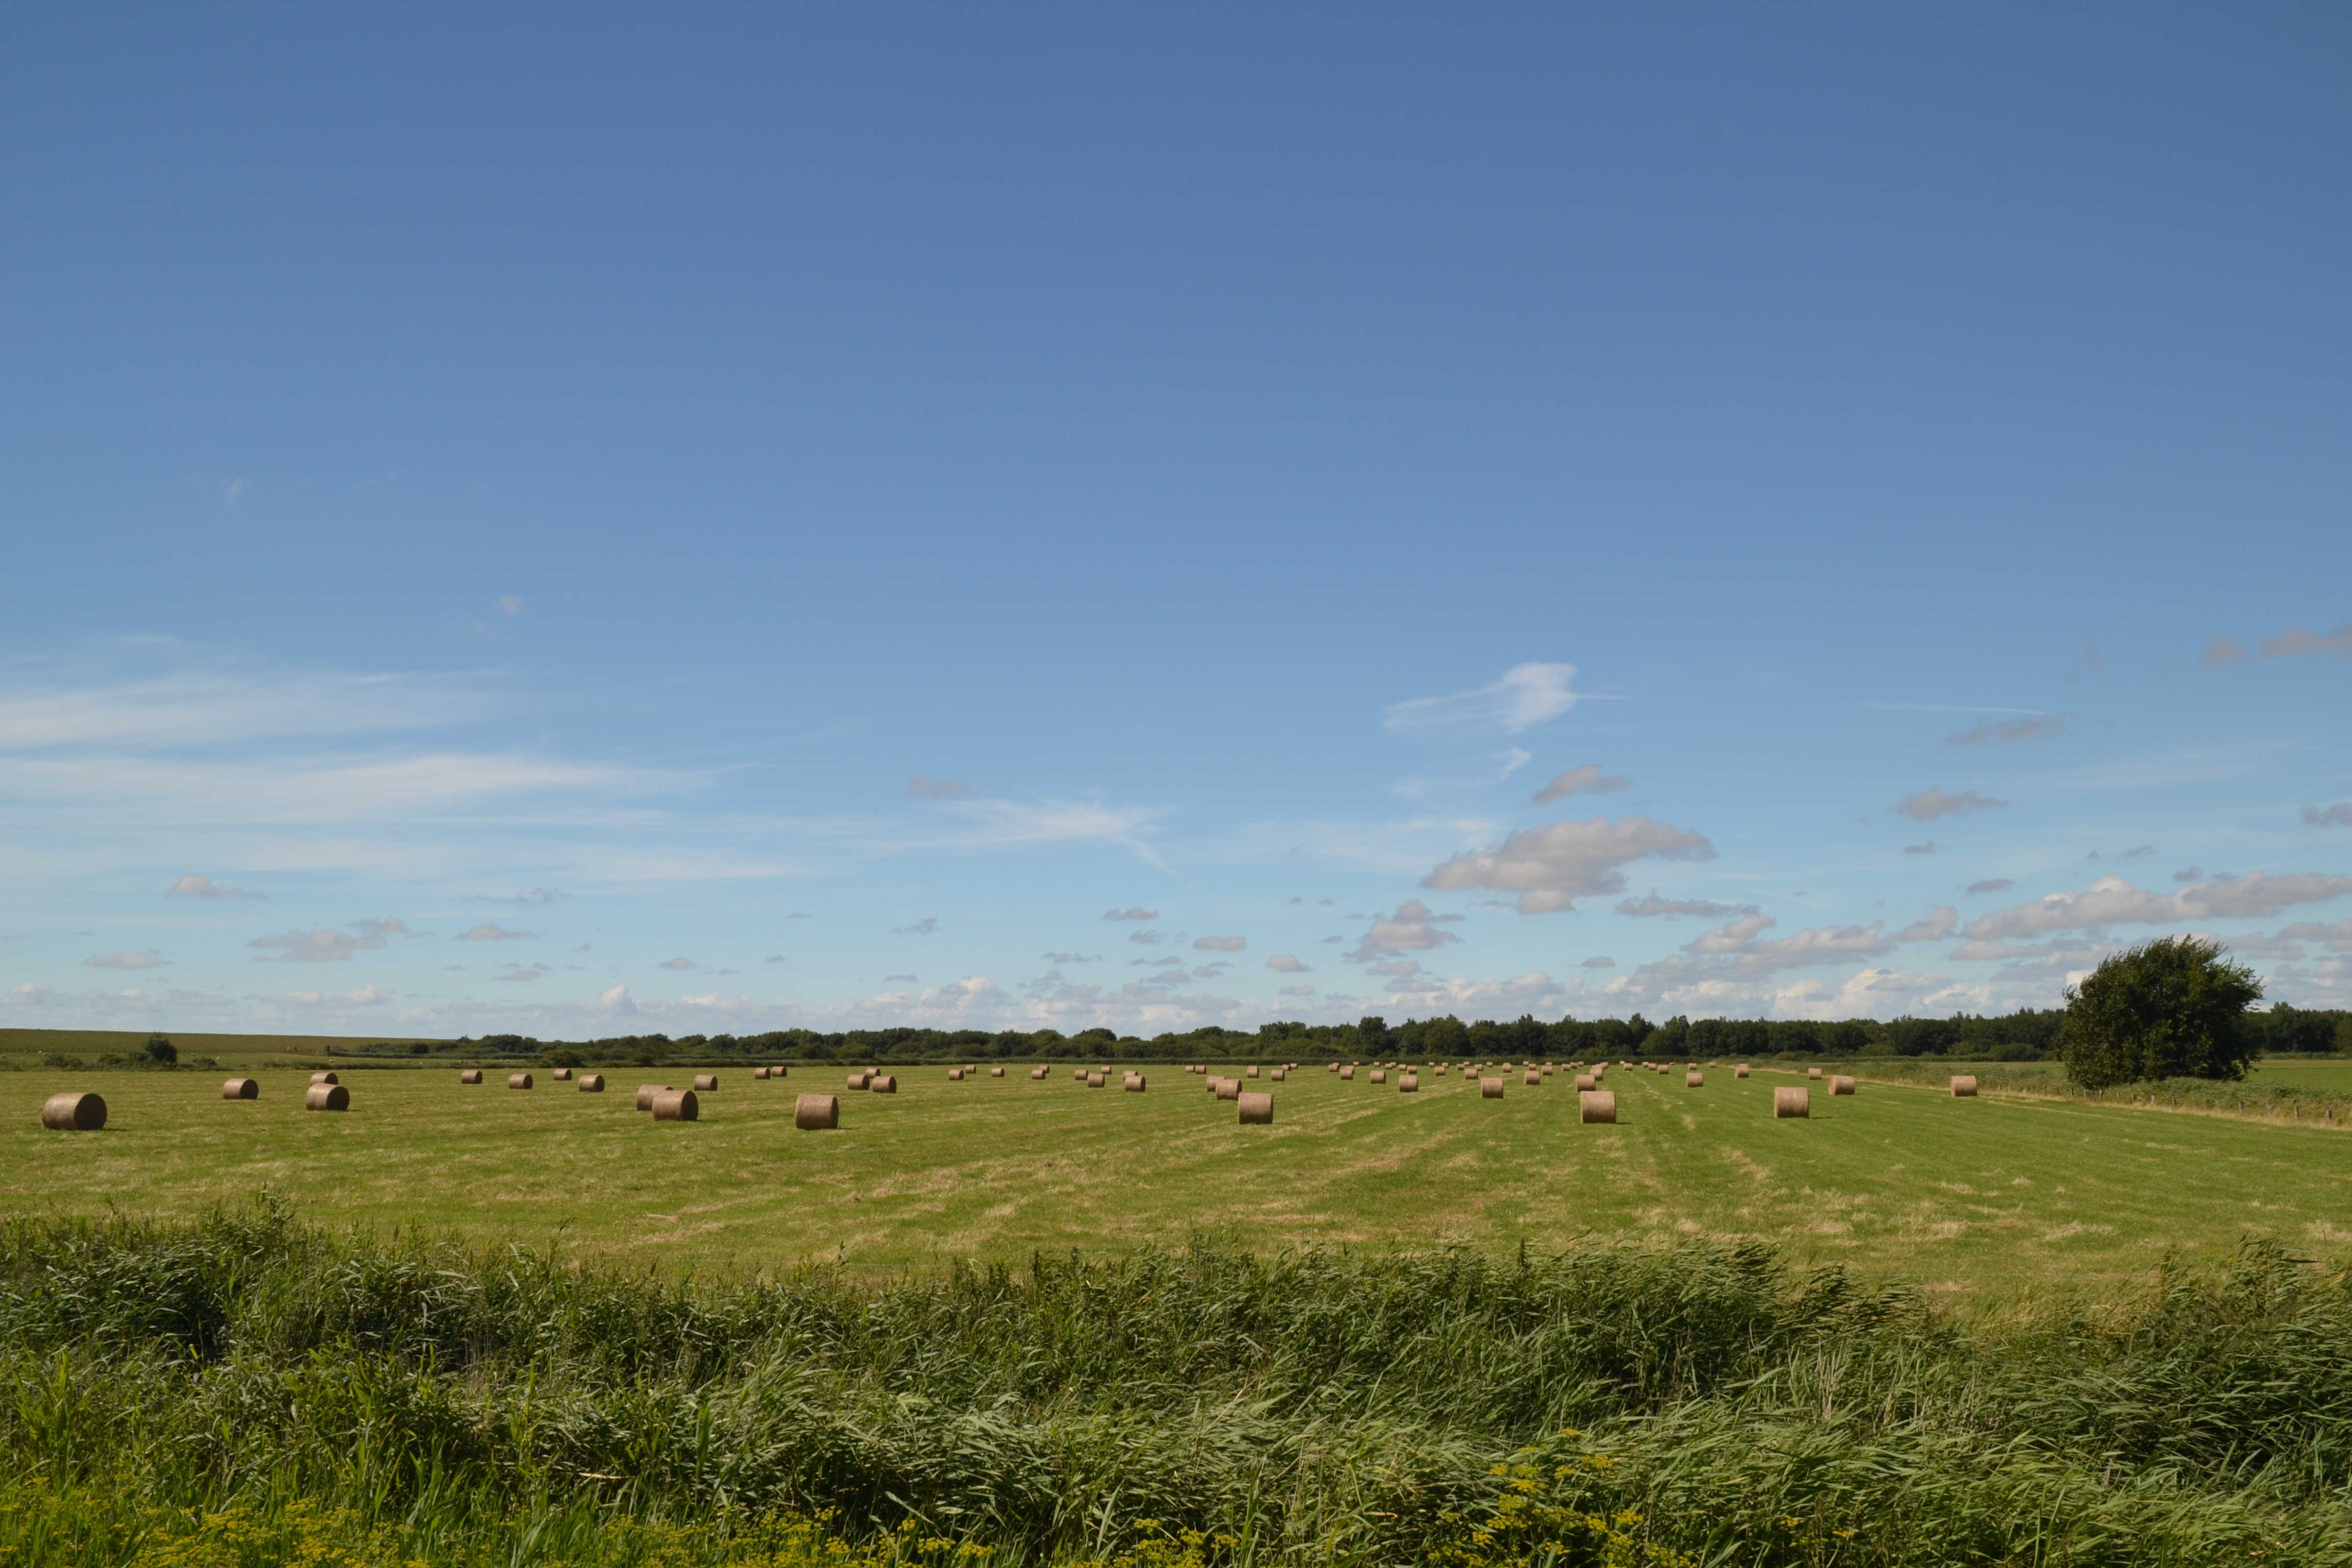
(1961, 1196)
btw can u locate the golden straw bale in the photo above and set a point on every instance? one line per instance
(324, 1078)
(518, 1080)
(1788, 1102)
(1250, 1071)
(1348, 1072)
(1813, 1072)
(73, 1112)
(1335, 1067)
(704, 1082)
(1097, 1079)
(1841, 1084)
(1280, 1074)
(817, 1112)
(562, 1074)
(1531, 1078)
(1380, 1075)
(1964, 1086)
(646, 1093)
(591, 1083)
(1079, 1074)
(471, 1075)
(1694, 1079)
(775, 1071)
(996, 1072)
(1597, 1105)
(327, 1096)
(1739, 1071)
(883, 1083)
(1585, 1080)
(1490, 1088)
(677, 1105)
(955, 1075)
(1256, 1110)
(1133, 1083)
(241, 1088)
(760, 1073)
(1229, 1088)
(1408, 1083)
(858, 1080)
(1038, 1072)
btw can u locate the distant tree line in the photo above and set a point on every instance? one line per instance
(2027, 1035)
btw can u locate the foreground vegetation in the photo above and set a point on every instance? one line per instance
(244, 1389)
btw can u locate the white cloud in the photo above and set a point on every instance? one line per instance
(2294, 640)
(1931, 804)
(496, 934)
(194, 886)
(1288, 963)
(331, 946)
(1991, 885)
(201, 708)
(1412, 929)
(1220, 943)
(923, 788)
(1587, 779)
(617, 1000)
(1134, 912)
(1148, 938)
(1527, 695)
(2111, 901)
(680, 964)
(1503, 765)
(1550, 867)
(1935, 928)
(1600, 961)
(2038, 727)
(1651, 904)
(149, 959)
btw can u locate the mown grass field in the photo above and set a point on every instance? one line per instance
(1959, 1196)
(232, 1049)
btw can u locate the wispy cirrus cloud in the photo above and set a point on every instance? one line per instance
(2007, 731)
(1527, 695)
(1928, 805)
(194, 886)
(1585, 779)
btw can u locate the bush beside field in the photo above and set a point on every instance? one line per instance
(248, 1390)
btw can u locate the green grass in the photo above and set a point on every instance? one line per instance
(1982, 1197)
(93, 1042)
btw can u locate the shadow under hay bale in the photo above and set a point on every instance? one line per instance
(817, 1112)
(71, 1111)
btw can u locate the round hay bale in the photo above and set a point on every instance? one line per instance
(817, 1112)
(1079, 1074)
(1408, 1083)
(883, 1083)
(1229, 1089)
(1813, 1072)
(1490, 1088)
(1739, 1071)
(73, 1112)
(1841, 1084)
(1380, 1075)
(1585, 1080)
(649, 1092)
(1280, 1074)
(1531, 1080)
(1964, 1086)
(704, 1082)
(471, 1075)
(518, 1080)
(562, 1074)
(1037, 1072)
(1348, 1072)
(677, 1105)
(324, 1078)
(955, 1075)
(1694, 1079)
(1597, 1105)
(1133, 1083)
(1251, 1072)
(591, 1083)
(1256, 1110)
(760, 1073)
(857, 1080)
(327, 1096)
(1097, 1079)
(996, 1072)
(241, 1088)
(777, 1072)
(1787, 1102)
(1335, 1067)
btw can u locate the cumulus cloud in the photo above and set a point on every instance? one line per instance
(1587, 779)
(1931, 804)
(2294, 640)
(331, 946)
(496, 934)
(1935, 928)
(1148, 938)
(2038, 727)
(1550, 867)
(2222, 650)
(1706, 909)
(923, 927)
(680, 963)
(1991, 885)
(2337, 815)
(194, 886)
(2333, 934)
(1740, 942)
(617, 1000)
(1412, 929)
(1220, 943)
(1286, 962)
(1132, 912)
(1600, 962)
(149, 959)
(1527, 695)
(923, 788)
(2111, 901)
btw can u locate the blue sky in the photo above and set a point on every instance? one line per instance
(593, 520)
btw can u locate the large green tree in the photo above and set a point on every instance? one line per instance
(2170, 1008)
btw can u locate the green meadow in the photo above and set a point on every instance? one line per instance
(1961, 1197)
